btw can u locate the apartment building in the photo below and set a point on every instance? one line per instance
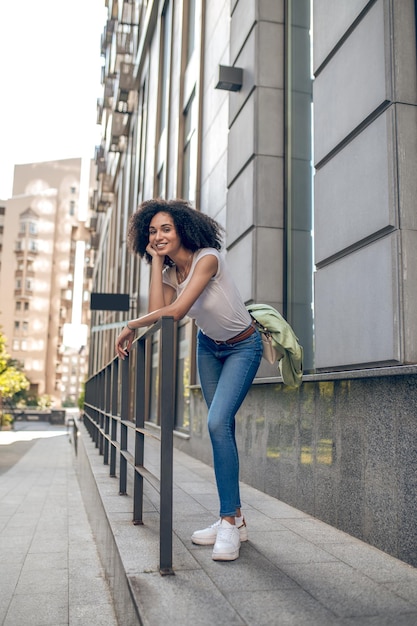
(43, 311)
(293, 123)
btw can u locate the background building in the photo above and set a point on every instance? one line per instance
(42, 277)
(343, 446)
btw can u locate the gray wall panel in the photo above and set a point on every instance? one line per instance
(242, 22)
(241, 139)
(340, 14)
(241, 262)
(269, 272)
(240, 204)
(409, 275)
(353, 84)
(255, 197)
(406, 118)
(356, 300)
(355, 191)
(270, 111)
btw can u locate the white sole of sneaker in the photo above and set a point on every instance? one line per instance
(226, 557)
(210, 541)
(203, 542)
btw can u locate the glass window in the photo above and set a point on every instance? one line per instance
(191, 26)
(299, 176)
(154, 395)
(183, 379)
(33, 228)
(160, 183)
(165, 55)
(189, 176)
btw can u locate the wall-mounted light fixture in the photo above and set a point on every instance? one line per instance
(230, 78)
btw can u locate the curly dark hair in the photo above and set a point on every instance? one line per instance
(196, 230)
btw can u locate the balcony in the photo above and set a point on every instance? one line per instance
(106, 184)
(128, 13)
(93, 224)
(94, 241)
(119, 129)
(124, 39)
(100, 160)
(107, 36)
(109, 88)
(125, 88)
(120, 124)
(100, 108)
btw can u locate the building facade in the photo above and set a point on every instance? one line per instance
(43, 277)
(323, 229)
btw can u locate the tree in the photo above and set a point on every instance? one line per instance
(12, 379)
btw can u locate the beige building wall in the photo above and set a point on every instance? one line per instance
(41, 228)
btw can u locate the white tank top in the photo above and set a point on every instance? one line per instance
(219, 311)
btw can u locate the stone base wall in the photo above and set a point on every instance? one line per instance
(342, 450)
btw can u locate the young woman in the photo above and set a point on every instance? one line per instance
(189, 277)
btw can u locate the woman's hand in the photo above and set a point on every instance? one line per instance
(154, 253)
(124, 342)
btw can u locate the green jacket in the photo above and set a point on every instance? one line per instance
(284, 340)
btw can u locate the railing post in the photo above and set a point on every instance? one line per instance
(107, 394)
(124, 414)
(100, 416)
(139, 436)
(167, 431)
(113, 434)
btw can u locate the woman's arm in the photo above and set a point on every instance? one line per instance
(160, 294)
(204, 270)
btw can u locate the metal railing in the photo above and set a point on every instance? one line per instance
(114, 410)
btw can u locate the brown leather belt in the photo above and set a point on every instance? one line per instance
(240, 337)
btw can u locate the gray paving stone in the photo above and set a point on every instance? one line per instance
(45, 534)
(294, 571)
(346, 591)
(37, 610)
(292, 607)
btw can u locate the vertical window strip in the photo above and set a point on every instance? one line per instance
(298, 265)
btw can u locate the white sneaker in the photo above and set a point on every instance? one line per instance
(227, 543)
(207, 537)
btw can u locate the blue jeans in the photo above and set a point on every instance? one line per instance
(226, 375)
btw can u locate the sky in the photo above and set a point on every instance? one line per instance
(49, 81)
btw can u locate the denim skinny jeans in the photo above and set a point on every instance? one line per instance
(226, 375)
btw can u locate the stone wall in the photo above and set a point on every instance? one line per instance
(343, 450)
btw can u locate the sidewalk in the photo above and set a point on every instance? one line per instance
(50, 572)
(293, 571)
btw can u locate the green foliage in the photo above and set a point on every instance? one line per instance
(6, 419)
(12, 379)
(44, 402)
(81, 400)
(68, 403)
